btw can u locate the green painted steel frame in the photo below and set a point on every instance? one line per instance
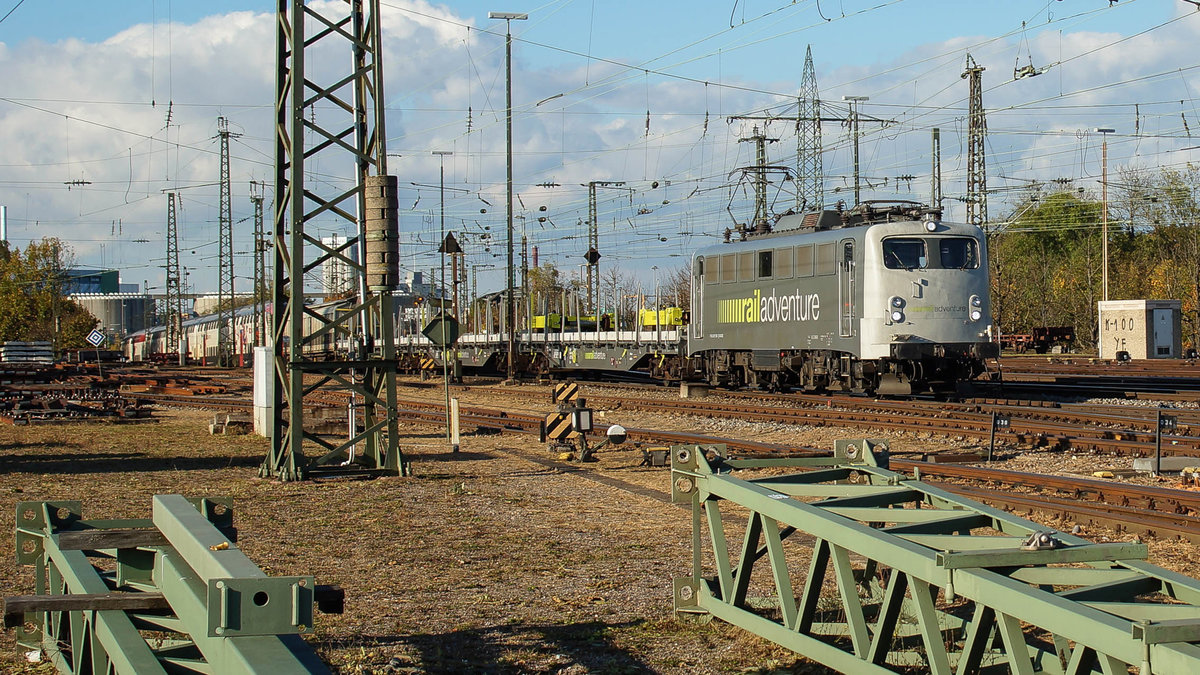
(309, 127)
(197, 558)
(866, 570)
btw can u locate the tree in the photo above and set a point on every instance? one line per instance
(620, 295)
(1048, 259)
(1162, 260)
(546, 288)
(1046, 264)
(32, 287)
(675, 286)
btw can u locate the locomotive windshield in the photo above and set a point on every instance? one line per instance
(907, 253)
(912, 253)
(958, 253)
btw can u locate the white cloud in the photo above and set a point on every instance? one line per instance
(81, 111)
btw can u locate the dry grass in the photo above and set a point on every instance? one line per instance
(482, 562)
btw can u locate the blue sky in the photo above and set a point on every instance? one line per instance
(859, 31)
(873, 30)
(88, 85)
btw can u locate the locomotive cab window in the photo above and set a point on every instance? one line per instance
(708, 270)
(764, 265)
(904, 253)
(958, 253)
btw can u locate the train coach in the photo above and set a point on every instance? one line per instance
(884, 299)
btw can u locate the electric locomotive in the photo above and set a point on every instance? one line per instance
(884, 298)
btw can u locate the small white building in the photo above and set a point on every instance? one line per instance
(1147, 329)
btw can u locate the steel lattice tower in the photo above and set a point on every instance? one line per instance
(225, 337)
(810, 181)
(935, 173)
(976, 135)
(759, 171)
(174, 300)
(260, 267)
(332, 115)
(593, 253)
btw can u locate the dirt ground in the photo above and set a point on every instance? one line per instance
(482, 561)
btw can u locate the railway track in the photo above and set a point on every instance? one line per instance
(1155, 511)
(1144, 509)
(1125, 430)
(1038, 427)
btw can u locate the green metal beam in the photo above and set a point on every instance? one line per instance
(184, 577)
(971, 595)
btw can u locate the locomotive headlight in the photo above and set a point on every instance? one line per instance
(976, 308)
(897, 316)
(930, 225)
(897, 302)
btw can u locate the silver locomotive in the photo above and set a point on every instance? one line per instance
(880, 299)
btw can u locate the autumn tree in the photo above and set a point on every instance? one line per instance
(32, 302)
(546, 288)
(1047, 259)
(1160, 255)
(1046, 264)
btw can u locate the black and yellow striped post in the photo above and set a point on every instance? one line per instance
(565, 392)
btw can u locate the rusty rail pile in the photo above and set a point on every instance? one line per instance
(38, 394)
(35, 393)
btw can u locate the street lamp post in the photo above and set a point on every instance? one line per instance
(854, 101)
(1104, 132)
(509, 17)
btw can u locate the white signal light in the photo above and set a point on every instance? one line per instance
(897, 316)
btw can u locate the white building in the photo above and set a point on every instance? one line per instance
(337, 276)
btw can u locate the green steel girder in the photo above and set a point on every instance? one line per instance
(866, 570)
(223, 614)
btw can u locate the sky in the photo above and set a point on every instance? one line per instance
(104, 106)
